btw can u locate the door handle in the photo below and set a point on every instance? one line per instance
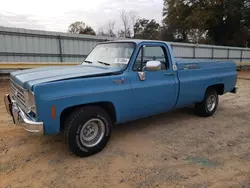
(169, 74)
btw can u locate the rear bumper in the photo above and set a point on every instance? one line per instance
(20, 118)
(235, 90)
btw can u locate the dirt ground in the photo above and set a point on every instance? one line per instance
(176, 149)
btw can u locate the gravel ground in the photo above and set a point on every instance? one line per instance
(176, 149)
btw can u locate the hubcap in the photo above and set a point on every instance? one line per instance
(211, 103)
(92, 132)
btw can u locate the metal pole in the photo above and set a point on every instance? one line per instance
(60, 48)
(194, 53)
(241, 55)
(212, 53)
(228, 53)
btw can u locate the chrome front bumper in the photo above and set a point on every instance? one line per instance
(20, 118)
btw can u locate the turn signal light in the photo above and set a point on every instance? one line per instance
(53, 112)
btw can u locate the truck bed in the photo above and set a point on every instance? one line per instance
(196, 75)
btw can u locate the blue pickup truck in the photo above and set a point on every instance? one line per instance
(118, 82)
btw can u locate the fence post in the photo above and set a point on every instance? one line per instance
(228, 53)
(60, 48)
(194, 53)
(241, 55)
(212, 52)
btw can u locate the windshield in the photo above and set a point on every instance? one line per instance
(111, 54)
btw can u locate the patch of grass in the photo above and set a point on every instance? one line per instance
(4, 167)
(201, 161)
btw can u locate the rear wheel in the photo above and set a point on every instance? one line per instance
(209, 104)
(87, 130)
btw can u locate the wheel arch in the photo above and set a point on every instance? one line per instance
(107, 106)
(220, 88)
(201, 108)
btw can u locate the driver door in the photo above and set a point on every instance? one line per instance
(153, 92)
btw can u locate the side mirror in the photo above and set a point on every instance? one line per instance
(153, 66)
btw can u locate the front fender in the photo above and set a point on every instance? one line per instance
(67, 94)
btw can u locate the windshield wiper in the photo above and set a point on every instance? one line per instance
(89, 62)
(107, 64)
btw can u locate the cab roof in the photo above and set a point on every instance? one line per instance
(137, 41)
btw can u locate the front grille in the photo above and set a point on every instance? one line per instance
(18, 94)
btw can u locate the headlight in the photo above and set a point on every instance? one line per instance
(30, 104)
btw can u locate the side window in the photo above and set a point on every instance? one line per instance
(151, 53)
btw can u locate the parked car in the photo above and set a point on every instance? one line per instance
(118, 82)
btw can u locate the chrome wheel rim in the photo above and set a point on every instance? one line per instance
(92, 132)
(211, 103)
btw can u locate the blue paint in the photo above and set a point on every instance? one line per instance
(162, 90)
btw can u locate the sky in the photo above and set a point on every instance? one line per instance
(57, 15)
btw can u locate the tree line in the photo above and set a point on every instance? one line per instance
(216, 22)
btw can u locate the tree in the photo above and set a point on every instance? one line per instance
(128, 20)
(133, 18)
(125, 32)
(101, 32)
(88, 31)
(76, 27)
(108, 31)
(175, 16)
(167, 33)
(81, 28)
(145, 29)
(111, 29)
(223, 22)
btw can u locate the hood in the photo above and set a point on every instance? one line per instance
(28, 78)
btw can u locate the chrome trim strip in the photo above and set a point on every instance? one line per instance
(12, 81)
(21, 95)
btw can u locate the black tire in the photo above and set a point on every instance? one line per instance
(202, 109)
(74, 130)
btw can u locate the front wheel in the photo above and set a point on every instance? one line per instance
(87, 130)
(209, 105)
